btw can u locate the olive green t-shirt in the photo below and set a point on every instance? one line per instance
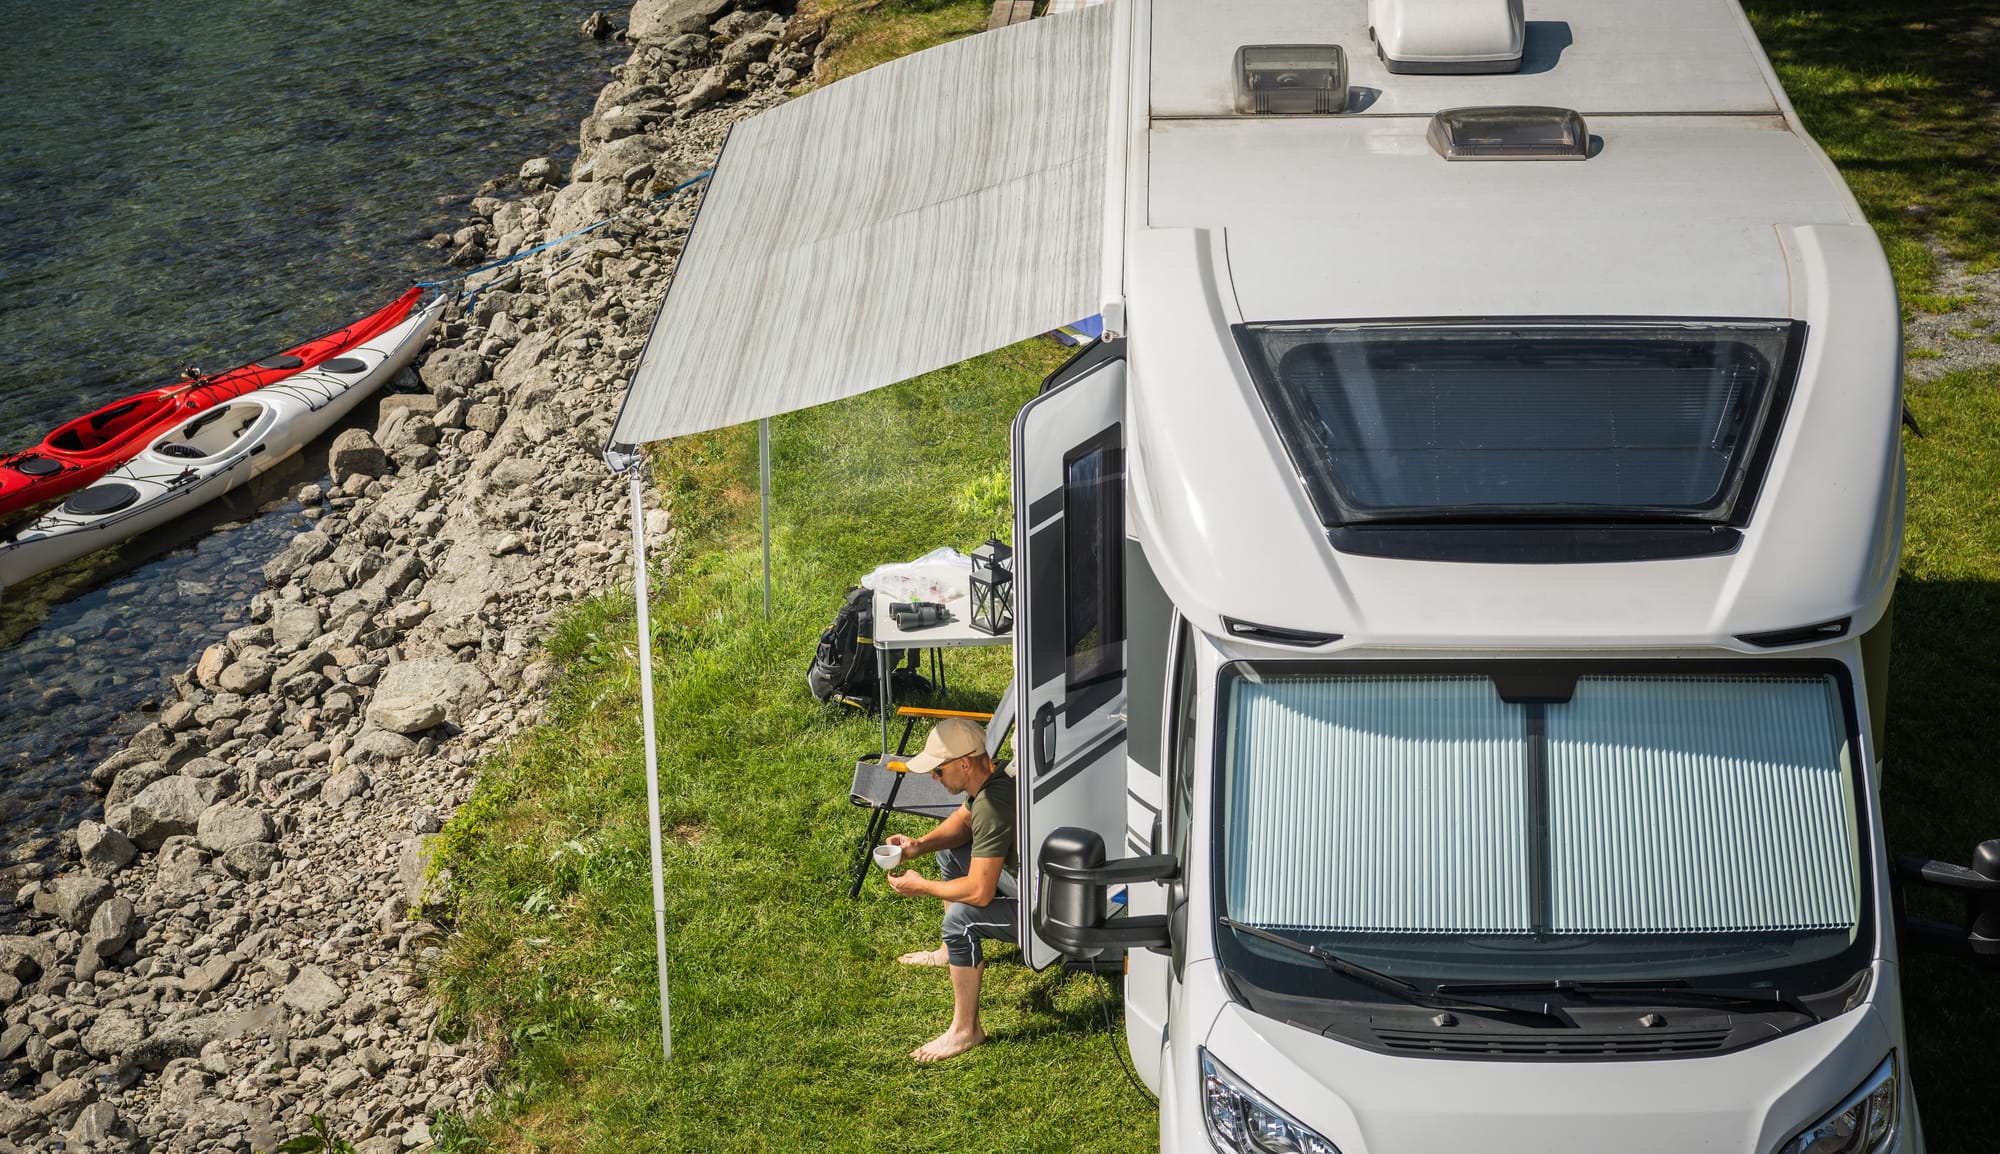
(992, 811)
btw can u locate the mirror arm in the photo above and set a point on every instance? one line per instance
(1945, 875)
(1123, 871)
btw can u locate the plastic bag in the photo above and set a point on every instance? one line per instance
(942, 575)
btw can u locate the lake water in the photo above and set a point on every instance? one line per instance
(187, 182)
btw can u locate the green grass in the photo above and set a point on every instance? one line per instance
(870, 32)
(792, 1022)
(1904, 100)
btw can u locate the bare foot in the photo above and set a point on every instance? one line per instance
(936, 957)
(947, 1045)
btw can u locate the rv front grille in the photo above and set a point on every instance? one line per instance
(1553, 1046)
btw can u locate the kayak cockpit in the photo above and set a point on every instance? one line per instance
(109, 424)
(218, 432)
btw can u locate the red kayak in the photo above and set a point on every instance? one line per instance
(85, 449)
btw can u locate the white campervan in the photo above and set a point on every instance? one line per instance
(1455, 614)
(1452, 600)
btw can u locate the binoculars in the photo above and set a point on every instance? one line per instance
(913, 615)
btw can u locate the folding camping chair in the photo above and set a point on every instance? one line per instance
(884, 789)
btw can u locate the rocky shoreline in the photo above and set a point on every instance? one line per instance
(242, 940)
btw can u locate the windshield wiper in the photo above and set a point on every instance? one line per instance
(1380, 980)
(1671, 988)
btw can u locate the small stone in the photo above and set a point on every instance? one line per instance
(110, 928)
(373, 1060)
(250, 862)
(344, 786)
(425, 820)
(97, 1122)
(210, 976)
(280, 970)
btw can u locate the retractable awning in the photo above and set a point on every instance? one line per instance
(927, 210)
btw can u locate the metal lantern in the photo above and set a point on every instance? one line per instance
(993, 587)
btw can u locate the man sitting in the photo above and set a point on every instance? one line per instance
(973, 846)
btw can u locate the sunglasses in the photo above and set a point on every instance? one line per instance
(938, 773)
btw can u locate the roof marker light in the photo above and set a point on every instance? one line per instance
(1510, 132)
(1291, 79)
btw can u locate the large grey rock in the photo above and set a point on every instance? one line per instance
(104, 850)
(313, 991)
(415, 695)
(95, 1123)
(115, 1034)
(658, 21)
(518, 473)
(449, 373)
(222, 828)
(355, 454)
(249, 673)
(62, 1103)
(754, 47)
(27, 958)
(132, 780)
(78, 896)
(183, 1039)
(581, 204)
(294, 625)
(305, 549)
(210, 976)
(169, 807)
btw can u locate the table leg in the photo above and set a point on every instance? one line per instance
(882, 695)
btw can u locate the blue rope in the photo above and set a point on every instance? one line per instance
(676, 190)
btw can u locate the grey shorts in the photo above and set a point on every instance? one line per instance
(965, 926)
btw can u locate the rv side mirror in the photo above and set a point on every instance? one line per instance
(1074, 912)
(1978, 935)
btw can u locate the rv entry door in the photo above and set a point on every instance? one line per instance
(1069, 632)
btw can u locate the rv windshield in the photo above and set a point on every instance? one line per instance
(1592, 824)
(1497, 421)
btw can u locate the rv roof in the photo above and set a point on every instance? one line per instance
(1342, 217)
(1596, 56)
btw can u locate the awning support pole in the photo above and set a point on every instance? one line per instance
(640, 593)
(764, 488)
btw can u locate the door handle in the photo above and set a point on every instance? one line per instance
(1045, 736)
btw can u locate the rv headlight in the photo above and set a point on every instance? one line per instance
(1863, 1123)
(1241, 1121)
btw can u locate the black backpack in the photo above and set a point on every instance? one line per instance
(843, 666)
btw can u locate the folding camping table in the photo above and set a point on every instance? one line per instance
(957, 633)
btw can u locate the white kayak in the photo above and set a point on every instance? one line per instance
(212, 452)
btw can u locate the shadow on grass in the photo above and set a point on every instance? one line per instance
(1941, 795)
(1907, 102)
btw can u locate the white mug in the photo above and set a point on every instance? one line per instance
(888, 856)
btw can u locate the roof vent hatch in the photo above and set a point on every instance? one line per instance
(1291, 79)
(1456, 36)
(1513, 132)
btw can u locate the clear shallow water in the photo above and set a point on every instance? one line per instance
(207, 182)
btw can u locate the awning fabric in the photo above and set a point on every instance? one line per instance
(927, 210)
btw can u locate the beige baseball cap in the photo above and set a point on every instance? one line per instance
(954, 737)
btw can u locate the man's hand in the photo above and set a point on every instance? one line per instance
(909, 883)
(903, 842)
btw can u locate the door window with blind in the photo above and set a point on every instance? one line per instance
(1640, 824)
